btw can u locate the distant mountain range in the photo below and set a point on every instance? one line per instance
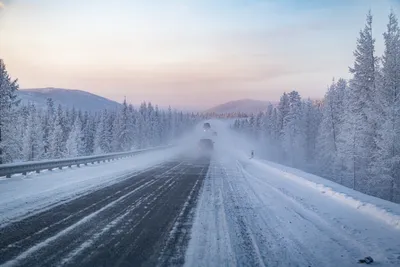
(243, 105)
(90, 102)
(67, 98)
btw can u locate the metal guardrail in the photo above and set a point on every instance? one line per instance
(8, 170)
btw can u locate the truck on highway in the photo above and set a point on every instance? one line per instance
(206, 146)
(206, 126)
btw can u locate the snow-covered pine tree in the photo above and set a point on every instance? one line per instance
(293, 131)
(33, 145)
(171, 124)
(9, 148)
(57, 143)
(268, 126)
(123, 135)
(328, 160)
(157, 126)
(283, 110)
(48, 126)
(75, 142)
(386, 165)
(89, 129)
(312, 120)
(362, 106)
(258, 126)
(150, 123)
(251, 126)
(103, 139)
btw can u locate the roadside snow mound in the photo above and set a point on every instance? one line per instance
(381, 209)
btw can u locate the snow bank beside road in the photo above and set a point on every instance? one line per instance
(380, 209)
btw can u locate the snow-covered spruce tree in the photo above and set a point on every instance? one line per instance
(386, 165)
(251, 126)
(33, 146)
(48, 126)
(328, 161)
(131, 127)
(157, 127)
(57, 143)
(293, 132)
(362, 110)
(283, 110)
(89, 128)
(150, 122)
(258, 126)
(268, 126)
(75, 142)
(140, 130)
(104, 133)
(9, 148)
(121, 135)
(312, 120)
(274, 146)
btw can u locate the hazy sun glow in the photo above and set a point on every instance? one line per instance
(180, 52)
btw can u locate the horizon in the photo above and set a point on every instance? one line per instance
(229, 50)
(136, 104)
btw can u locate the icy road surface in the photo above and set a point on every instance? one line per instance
(251, 214)
(142, 220)
(23, 196)
(169, 209)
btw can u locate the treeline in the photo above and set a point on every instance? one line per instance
(28, 132)
(352, 136)
(227, 115)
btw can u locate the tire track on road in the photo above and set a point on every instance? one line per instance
(126, 224)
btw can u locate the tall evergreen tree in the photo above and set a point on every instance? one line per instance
(8, 102)
(33, 146)
(75, 142)
(57, 144)
(386, 164)
(362, 108)
(293, 131)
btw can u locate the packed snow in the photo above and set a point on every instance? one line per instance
(256, 213)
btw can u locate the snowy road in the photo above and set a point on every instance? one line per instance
(250, 215)
(168, 209)
(142, 220)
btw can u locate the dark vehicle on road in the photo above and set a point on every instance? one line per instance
(206, 145)
(206, 126)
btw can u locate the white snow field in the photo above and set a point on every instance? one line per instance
(22, 196)
(255, 213)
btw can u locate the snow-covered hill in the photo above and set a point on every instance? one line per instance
(67, 98)
(242, 105)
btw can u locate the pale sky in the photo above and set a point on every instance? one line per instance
(194, 53)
